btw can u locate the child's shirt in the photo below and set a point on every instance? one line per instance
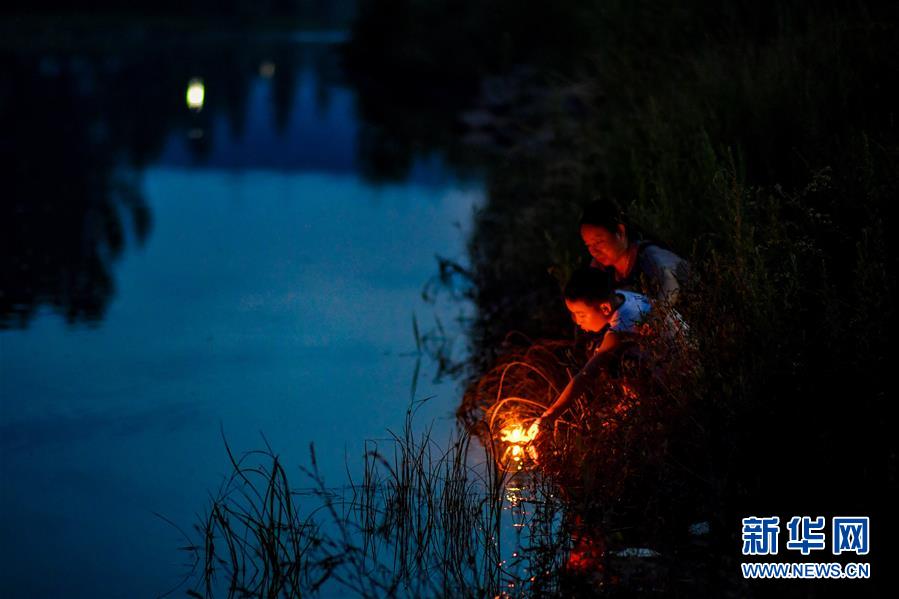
(627, 318)
(630, 314)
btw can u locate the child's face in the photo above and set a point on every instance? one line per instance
(592, 316)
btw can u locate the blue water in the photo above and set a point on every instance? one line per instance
(274, 294)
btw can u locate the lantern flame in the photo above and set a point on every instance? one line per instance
(519, 442)
(516, 434)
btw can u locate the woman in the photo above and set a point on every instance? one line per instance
(637, 264)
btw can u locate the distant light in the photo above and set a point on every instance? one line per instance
(267, 69)
(196, 93)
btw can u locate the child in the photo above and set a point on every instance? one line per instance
(597, 307)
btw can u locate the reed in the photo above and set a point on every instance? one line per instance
(425, 519)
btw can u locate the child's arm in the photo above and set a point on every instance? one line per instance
(578, 384)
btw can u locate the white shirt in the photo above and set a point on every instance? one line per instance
(631, 313)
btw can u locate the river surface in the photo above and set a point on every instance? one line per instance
(248, 276)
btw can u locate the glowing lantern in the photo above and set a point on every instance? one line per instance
(196, 94)
(519, 443)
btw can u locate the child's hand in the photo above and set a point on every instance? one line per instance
(541, 426)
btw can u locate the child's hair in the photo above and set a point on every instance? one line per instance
(589, 284)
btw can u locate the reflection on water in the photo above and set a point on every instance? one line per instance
(532, 536)
(71, 200)
(196, 93)
(80, 126)
(239, 271)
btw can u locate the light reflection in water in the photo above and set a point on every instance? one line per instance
(196, 94)
(533, 539)
(538, 540)
(267, 69)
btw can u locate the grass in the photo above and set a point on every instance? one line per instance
(423, 520)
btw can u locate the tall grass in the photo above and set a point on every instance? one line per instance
(769, 159)
(424, 520)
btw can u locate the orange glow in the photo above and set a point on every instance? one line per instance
(587, 553)
(515, 434)
(518, 440)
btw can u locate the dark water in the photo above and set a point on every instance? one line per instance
(168, 272)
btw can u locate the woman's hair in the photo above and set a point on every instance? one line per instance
(605, 214)
(590, 285)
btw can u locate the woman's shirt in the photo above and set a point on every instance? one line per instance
(657, 271)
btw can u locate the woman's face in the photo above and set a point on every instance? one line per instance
(605, 246)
